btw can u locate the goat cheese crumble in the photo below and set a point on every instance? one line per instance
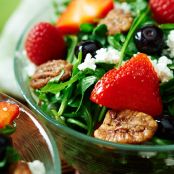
(36, 167)
(170, 43)
(30, 69)
(160, 65)
(103, 55)
(89, 62)
(107, 55)
(124, 6)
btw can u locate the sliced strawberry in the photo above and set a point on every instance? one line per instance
(83, 11)
(8, 112)
(163, 10)
(133, 86)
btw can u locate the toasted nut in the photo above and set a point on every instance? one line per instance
(20, 167)
(117, 21)
(49, 70)
(126, 127)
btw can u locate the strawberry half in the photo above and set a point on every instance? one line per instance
(44, 42)
(83, 11)
(133, 86)
(8, 112)
(163, 10)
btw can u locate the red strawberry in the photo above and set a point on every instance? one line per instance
(44, 42)
(83, 11)
(163, 10)
(133, 86)
(8, 112)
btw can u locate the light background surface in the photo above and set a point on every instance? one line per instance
(6, 9)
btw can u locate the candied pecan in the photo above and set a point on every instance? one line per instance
(117, 21)
(49, 70)
(126, 127)
(20, 167)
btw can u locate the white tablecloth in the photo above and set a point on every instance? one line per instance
(16, 24)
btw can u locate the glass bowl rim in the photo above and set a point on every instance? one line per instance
(76, 134)
(54, 150)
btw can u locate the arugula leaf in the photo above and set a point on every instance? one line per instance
(116, 41)
(77, 123)
(167, 87)
(137, 6)
(171, 66)
(12, 155)
(72, 42)
(171, 108)
(88, 119)
(67, 93)
(136, 23)
(55, 88)
(166, 26)
(3, 163)
(8, 129)
(86, 28)
(57, 78)
(100, 34)
(100, 30)
(84, 84)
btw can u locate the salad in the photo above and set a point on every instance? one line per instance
(105, 68)
(10, 162)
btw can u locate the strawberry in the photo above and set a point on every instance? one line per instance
(83, 11)
(8, 112)
(44, 42)
(133, 86)
(163, 10)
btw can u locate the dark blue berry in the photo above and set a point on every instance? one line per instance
(87, 46)
(149, 39)
(165, 127)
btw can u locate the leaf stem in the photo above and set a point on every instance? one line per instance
(58, 118)
(102, 114)
(166, 26)
(72, 48)
(64, 102)
(76, 122)
(135, 24)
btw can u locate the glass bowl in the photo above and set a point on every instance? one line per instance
(87, 154)
(33, 140)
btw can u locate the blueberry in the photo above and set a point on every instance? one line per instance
(165, 127)
(4, 142)
(87, 46)
(149, 39)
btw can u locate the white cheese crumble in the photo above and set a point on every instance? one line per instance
(89, 62)
(107, 55)
(37, 167)
(30, 69)
(124, 6)
(170, 43)
(160, 65)
(103, 55)
(169, 162)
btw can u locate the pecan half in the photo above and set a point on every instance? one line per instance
(117, 21)
(49, 70)
(127, 127)
(20, 167)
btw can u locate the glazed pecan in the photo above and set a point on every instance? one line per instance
(20, 167)
(117, 21)
(49, 70)
(126, 127)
